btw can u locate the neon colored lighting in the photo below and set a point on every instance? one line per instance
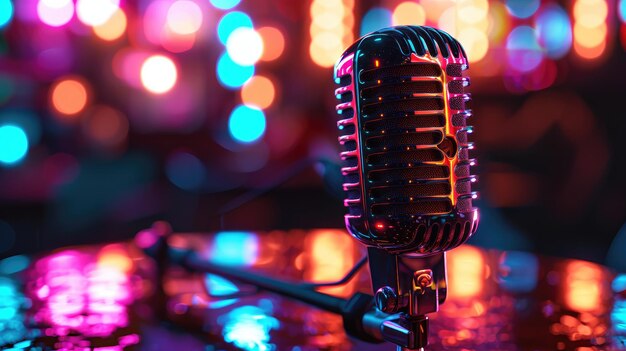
(246, 124)
(13, 144)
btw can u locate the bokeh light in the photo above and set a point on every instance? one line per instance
(258, 91)
(155, 20)
(590, 28)
(184, 17)
(554, 31)
(589, 53)
(158, 74)
(375, 19)
(225, 4)
(55, 13)
(475, 43)
(106, 126)
(234, 248)
(246, 124)
(27, 120)
(95, 12)
(523, 50)
(113, 28)
(13, 144)
(332, 26)
(69, 96)
(522, 8)
(6, 12)
(230, 74)
(244, 46)
(408, 13)
(230, 22)
(273, 43)
(500, 23)
(622, 10)
(590, 13)
(185, 170)
(590, 37)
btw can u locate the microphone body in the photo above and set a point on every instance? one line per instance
(403, 132)
(406, 165)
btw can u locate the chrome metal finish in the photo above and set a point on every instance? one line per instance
(386, 300)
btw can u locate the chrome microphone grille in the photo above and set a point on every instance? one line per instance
(405, 149)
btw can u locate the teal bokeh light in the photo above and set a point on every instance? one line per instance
(13, 144)
(225, 4)
(375, 19)
(522, 8)
(246, 124)
(555, 31)
(6, 12)
(230, 22)
(232, 75)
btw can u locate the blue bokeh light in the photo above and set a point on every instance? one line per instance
(6, 12)
(522, 8)
(523, 50)
(246, 124)
(248, 327)
(220, 286)
(13, 144)
(375, 19)
(232, 75)
(186, 171)
(521, 271)
(622, 10)
(235, 248)
(14, 264)
(230, 22)
(225, 4)
(555, 31)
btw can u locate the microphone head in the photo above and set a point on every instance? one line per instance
(404, 140)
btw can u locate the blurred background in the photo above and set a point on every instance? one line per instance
(219, 115)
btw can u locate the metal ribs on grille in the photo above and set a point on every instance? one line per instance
(349, 146)
(403, 122)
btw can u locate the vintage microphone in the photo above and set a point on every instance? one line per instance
(406, 167)
(407, 184)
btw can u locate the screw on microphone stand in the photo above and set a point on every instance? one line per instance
(361, 318)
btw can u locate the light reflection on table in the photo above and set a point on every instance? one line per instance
(105, 298)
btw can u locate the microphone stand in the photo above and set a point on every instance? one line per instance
(363, 318)
(408, 286)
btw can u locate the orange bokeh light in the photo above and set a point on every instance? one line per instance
(466, 271)
(259, 91)
(589, 52)
(331, 29)
(408, 13)
(273, 43)
(69, 96)
(591, 13)
(115, 256)
(590, 37)
(584, 286)
(113, 28)
(331, 254)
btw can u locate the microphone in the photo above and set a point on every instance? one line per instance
(406, 167)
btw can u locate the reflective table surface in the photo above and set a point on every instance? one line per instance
(105, 298)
